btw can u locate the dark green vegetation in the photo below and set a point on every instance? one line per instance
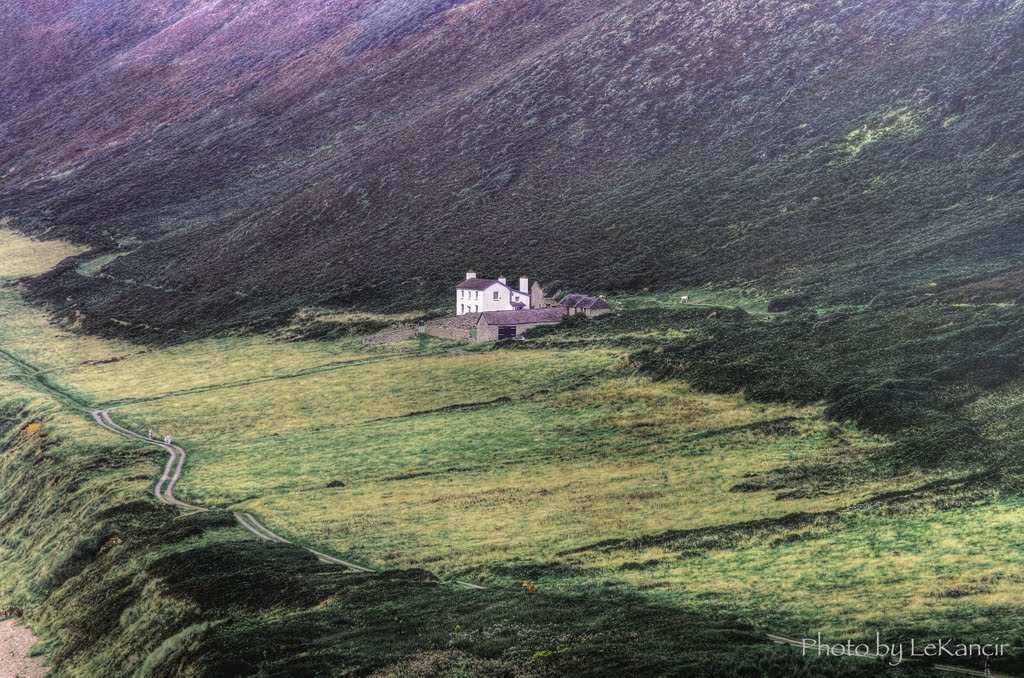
(941, 380)
(366, 153)
(125, 586)
(910, 371)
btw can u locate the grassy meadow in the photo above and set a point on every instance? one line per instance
(955, 574)
(750, 300)
(23, 256)
(560, 463)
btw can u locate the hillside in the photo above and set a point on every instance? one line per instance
(231, 162)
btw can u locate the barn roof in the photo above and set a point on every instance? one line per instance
(526, 317)
(583, 301)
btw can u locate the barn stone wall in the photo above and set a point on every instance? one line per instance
(485, 332)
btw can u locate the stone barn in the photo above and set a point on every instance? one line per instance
(581, 304)
(496, 325)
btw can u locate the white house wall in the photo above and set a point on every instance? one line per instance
(468, 301)
(480, 301)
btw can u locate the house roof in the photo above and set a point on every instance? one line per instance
(526, 317)
(484, 283)
(583, 301)
(475, 284)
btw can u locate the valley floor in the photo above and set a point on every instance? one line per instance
(560, 465)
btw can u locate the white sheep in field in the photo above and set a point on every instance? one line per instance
(684, 298)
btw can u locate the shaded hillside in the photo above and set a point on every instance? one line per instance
(250, 158)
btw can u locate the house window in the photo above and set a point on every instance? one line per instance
(477, 295)
(462, 308)
(477, 309)
(496, 295)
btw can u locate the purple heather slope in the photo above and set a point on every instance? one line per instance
(254, 157)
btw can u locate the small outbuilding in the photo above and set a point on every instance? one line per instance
(497, 325)
(581, 304)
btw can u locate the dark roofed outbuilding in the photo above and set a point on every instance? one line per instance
(496, 325)
(526, 317)
(582, 303)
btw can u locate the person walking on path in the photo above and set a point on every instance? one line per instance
(167, 439)
(150, 434)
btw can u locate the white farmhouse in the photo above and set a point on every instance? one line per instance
(480, 295)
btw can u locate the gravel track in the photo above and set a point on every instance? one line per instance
(16, 642)
(164, 488)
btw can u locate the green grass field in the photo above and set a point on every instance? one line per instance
(498, 465)
(750, 300)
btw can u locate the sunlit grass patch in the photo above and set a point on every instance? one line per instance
(27, 332)
(898, 123)
(22, 256)
(204, 363)
(750, 300)
(92, 266)
(465, 489)
(948, 574)
(304, 414)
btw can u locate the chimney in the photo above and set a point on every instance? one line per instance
(524, 285)
(502, 280)
(470, 274)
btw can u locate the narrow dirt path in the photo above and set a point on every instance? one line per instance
(16, 642)
(250, 523)
(164, 488)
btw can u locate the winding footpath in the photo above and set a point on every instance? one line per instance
(16, 658)
(164, 488)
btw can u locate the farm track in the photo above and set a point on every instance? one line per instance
(164, 491)
(164, 488)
